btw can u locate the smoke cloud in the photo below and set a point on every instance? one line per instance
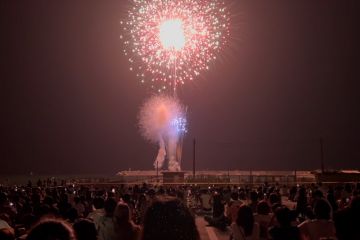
(162, 121)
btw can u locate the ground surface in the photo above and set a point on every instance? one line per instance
(211, 233)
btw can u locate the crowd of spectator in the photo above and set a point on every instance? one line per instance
(144, 212)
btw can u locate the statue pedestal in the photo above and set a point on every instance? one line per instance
(173, 177)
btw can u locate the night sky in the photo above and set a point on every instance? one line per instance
(289, 75)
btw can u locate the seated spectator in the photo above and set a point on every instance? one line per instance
(85, 229)
(331, 198)
(205, 200)
(263, 218)
(98, 206)
(51, 229)
(218, 219)
(309, 214)
(72, 215)
(322, 226)
(124, 227)
(245, 228)
(63, 205)
(4, 224)
(253, 201)
(284, 231)
(129, 201)
(141, 207)
(242, 194)
(169, 218)
(294, 219)
(292, 193)
(7, 234)
(217, 205)
(274, 198)
(44, 210)
(232, 208)
(315, 195)
(79, 206)
(347, 221)
(106, 225)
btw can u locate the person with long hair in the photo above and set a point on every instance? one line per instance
(284, 230)
(85, 229)
(168, 218)
(245, 228)
(263, 217)
(347, 221)
(125, 228)
(320, 227)
(51, 229)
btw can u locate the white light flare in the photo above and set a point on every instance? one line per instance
(171, 34)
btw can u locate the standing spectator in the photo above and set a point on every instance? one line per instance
(106, 225)
(301, 202)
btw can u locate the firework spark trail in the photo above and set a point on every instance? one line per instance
(169, 42)
(162, 121)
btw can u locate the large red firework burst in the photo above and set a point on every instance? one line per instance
(169, 42)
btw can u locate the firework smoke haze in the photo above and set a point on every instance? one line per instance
(170, 42)
(162, 121)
